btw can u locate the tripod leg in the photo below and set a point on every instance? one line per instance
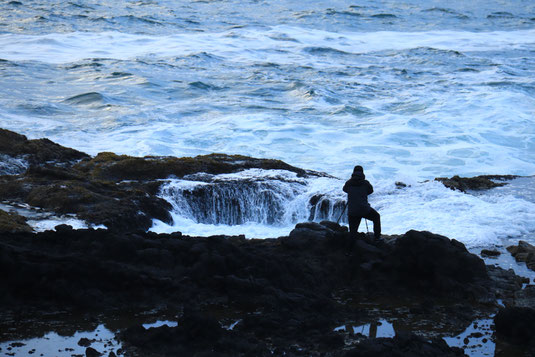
(341, 214)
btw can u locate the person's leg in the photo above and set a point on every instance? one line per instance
(375, 217)
(354, 223)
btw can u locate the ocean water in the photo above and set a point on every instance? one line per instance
(411, 90)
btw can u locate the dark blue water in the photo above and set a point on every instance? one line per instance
(164, 17)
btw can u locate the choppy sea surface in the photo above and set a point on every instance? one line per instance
(411, 90)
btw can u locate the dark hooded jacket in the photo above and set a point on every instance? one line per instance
(358, 189)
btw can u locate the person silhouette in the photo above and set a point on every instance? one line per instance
(358, 189)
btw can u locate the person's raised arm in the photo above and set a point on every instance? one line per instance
(370, 188)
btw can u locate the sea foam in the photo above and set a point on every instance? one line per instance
(407, 106)
(247, 44)
(474, 219)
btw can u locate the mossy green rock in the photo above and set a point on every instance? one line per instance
(483, 182)
(109, 166)
(13, 223)
(38, 151)
(125, 206)
(118, 191)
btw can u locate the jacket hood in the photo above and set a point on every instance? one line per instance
(358, 176)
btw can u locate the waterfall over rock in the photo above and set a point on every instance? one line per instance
(269, 197)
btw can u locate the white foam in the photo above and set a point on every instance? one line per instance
(480, 132)
(465, 132)
(247, 44)
(50, 223)
(462, 125)
(287, 191)
(41, 220)
(192, 228)
(260, 174)
(475, 220)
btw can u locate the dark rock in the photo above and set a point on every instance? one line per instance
(483, 182)
(516, 325)
(91, 352)
(63, 228)
(11, 222)
(475, 335)
(306, 235)
(114, 206)
(37, 152)
(400, 185)
(525, 297)
(523, 252)
(117, 191)
(505, 283)
(53, 173)
(101, 267)
(321, 206)
(402, 345)
(435, 264)
(490, 253)
(196, 334)
(312, 226)
(334, 226)
(367, 248)
(84, 342)
(109, 166)
(285, 292)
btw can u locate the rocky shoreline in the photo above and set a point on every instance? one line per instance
(117, 191)
(288, 294)
(234, 296)
(122, 192)
(285, 296)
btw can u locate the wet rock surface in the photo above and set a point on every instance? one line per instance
(112, 167)
(117, 191)
(122, 192)
(505, 281)
(91, 352)
(515, 326)
(490, 253)
(37, 152)
(435, 264)
(483, 182)
(198, 334)
(283, 295)
(11, 222)
(525, 297)
(404, 344)
(234, 296)
(523, 252)
(115, 205)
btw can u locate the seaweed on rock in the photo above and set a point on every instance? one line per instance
(11, 222)
(483, 182)
(118, 191)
